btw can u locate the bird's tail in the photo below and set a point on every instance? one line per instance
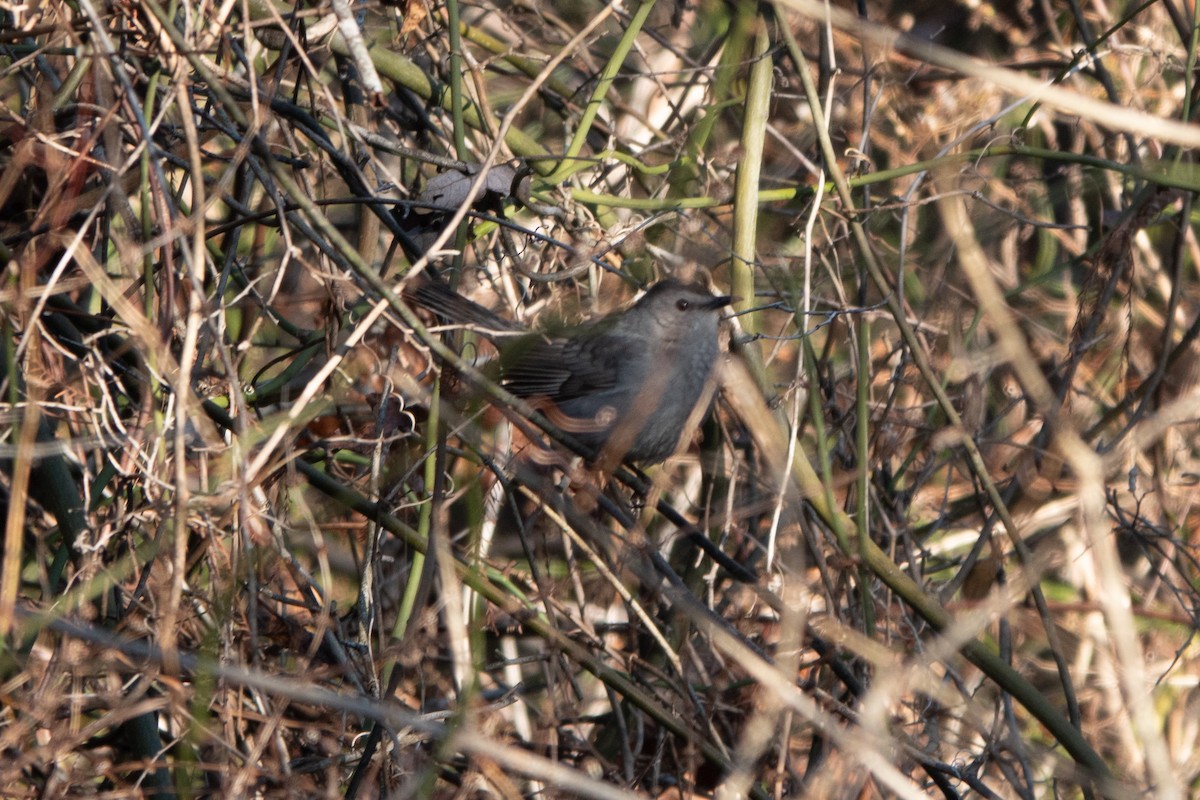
(436, 296)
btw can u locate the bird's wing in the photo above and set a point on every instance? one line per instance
(562, 368)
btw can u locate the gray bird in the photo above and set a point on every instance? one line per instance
(625, 385)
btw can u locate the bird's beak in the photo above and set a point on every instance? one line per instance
(722, 300)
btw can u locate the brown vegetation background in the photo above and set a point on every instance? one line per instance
(268, 534)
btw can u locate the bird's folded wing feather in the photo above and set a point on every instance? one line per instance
(563, 369)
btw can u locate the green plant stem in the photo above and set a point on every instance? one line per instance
(531, 67)
(862, 436)
(456, 83)
(749, 171)
(1161, 173)
(607, 76)
(408, 601)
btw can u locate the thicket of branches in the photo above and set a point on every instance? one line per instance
(270, 531)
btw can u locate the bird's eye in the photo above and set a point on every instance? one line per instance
(682, 305)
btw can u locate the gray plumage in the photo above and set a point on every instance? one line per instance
(624, 385)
